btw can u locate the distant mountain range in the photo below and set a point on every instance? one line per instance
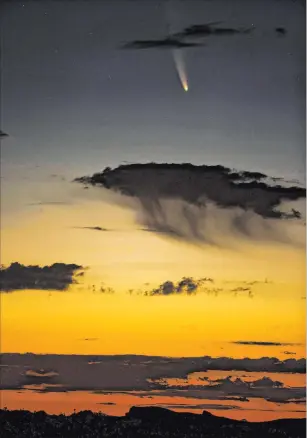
(142, 422)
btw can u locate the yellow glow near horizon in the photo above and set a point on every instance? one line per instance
(128, 258)
(175, 326)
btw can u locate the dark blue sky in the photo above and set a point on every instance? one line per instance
(70, 95)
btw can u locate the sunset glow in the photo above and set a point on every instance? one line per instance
(153, 212)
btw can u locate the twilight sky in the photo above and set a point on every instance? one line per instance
(78, 94)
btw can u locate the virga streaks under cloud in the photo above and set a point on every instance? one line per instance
(197, 202)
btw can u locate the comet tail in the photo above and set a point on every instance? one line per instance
(180, 67)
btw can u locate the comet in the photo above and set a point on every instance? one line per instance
(181, 70)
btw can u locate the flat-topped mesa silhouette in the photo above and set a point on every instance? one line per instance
(181, 421)
(159, 413)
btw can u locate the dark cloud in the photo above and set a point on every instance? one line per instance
(264, 387)
(266, 382)
(301, 401)
(181, 40)
(241, 289)
(290, 353)
(240, 399)
(210, 29)
(264, 343)
(190, 407)
(164, 43)
(187, 286)
(106, 403)
(192, 183)
(101, 289)
(89, 339)
(198, 202)
(93, 228)
(3, 134)
(280, 30)
(58, 276)
(144, 373)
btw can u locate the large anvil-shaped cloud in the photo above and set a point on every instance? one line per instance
(193, 191)
(58, 276)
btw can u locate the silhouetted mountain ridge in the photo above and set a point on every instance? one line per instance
(142, 422)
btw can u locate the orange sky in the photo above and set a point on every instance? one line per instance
(56, 403)
(125, 259)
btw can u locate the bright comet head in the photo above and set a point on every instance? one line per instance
(180, 67)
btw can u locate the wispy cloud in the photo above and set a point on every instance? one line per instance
(191, 36)
(212, 30)
(265, 343)
(163, 43)
(93, 228)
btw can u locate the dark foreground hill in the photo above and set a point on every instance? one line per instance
(141, 422)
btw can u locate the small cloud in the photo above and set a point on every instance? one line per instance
(102, 289)
(241, 289)
(264, 343)
(3, 134)
(106, 403)
(89, 339)
(58, 276)
(281, 31)
(163, 43)
(297, 401)
(93, 228)
(210, 29)
(187, 285)
(266, 382)
(241, 399)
